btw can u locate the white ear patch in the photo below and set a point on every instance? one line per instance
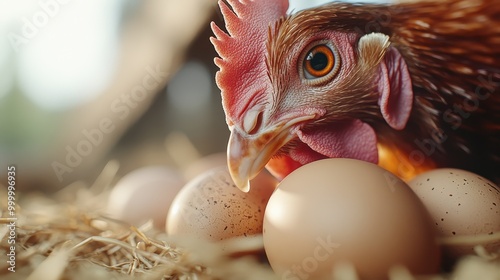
(393, 79)
(372, 48)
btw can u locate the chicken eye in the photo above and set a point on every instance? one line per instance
(320, 63)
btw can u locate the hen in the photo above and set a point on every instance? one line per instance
(410, 86)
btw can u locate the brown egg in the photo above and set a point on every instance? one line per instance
(143, 194)
(212, 207)
(336, 211)
(461, 204)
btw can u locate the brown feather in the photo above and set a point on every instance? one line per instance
(452, 49)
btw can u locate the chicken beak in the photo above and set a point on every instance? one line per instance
(248, 154)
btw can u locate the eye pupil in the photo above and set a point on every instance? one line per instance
(318, 61)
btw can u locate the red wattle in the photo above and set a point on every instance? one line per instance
(348, 139)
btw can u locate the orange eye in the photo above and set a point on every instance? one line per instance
(321, 61)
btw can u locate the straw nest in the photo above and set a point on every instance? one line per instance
(65, 236)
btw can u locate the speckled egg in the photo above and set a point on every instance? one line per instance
(211, 206)
(462, 204)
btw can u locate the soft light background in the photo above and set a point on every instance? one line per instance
(87, 81)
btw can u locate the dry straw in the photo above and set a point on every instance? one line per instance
(65, 236)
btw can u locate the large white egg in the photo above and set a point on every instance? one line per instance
(334, 211)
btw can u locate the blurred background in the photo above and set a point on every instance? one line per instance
(84, 82)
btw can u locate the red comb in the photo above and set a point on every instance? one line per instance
(242, 52)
